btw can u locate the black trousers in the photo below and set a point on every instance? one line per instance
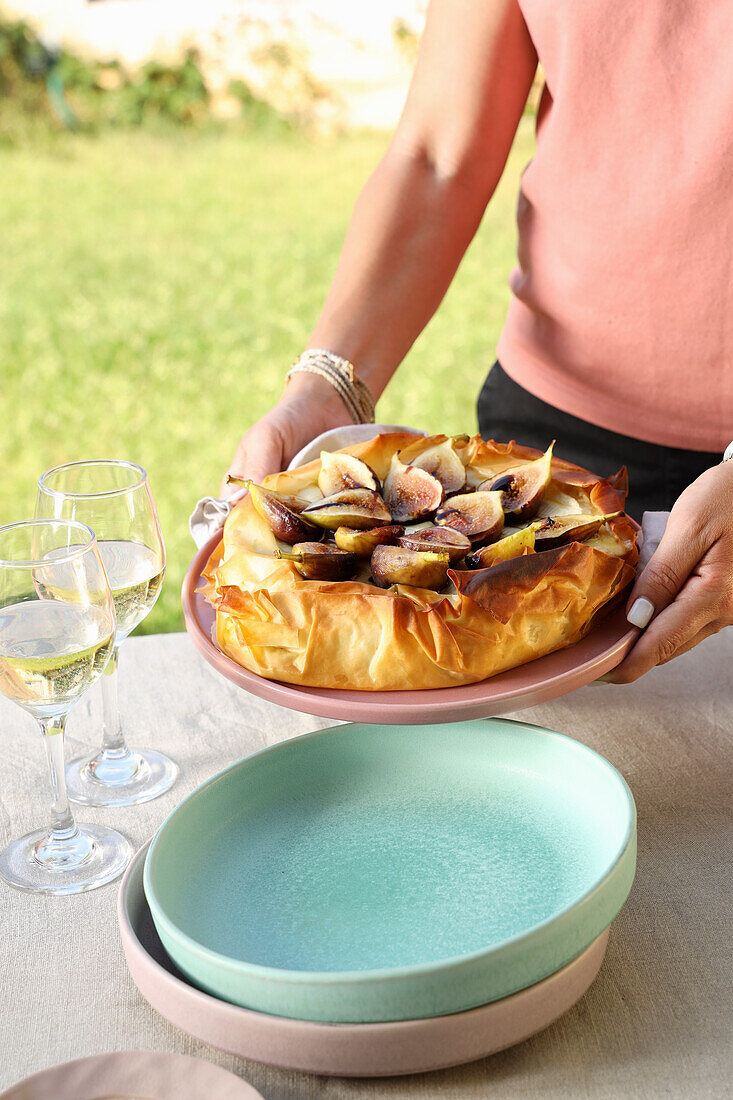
(657, 475)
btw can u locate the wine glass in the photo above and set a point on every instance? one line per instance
(57, 628)
(114, 499)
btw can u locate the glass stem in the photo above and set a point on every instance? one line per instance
(63, 826)
(113, 741)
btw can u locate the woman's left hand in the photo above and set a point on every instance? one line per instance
(685, 593)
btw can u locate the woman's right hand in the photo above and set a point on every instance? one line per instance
(308, 407)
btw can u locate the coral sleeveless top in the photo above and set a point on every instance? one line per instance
(622, 308)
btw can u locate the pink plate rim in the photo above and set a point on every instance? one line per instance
(537, 682)
(164, 1075)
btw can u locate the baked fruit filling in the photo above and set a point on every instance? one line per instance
(425, 517)
(407, 562)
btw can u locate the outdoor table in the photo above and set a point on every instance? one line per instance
(657, 1020)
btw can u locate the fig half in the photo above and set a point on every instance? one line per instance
(521, 488)
(410, 492)
(399, 565)
(513, 546)
(477, 515)
(341, 471)
(363, 543)
(360, 508)
(440, 539)
(281, 512)
(445, 466)
(558, 530)
(318, 561)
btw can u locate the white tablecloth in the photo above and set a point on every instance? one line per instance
(657, 1021)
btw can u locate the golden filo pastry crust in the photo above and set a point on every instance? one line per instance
(355, 635)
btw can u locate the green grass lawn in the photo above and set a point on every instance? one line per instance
(155, 289)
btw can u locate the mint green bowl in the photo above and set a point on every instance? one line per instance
(371, 873)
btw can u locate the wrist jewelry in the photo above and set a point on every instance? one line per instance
(340, 374)
(728, 455)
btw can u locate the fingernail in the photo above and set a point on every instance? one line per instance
(641, 612)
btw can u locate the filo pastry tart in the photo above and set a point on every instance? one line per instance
(537, 551)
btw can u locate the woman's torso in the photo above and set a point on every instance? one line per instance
(623, 295)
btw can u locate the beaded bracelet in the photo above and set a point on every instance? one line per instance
(340, 374)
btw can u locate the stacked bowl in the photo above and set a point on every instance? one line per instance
(371, 900)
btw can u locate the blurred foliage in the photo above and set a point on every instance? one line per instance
(406, 39)
(43, 90)
(105, 93)
(24, 105)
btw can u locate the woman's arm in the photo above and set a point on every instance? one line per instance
(416, 215)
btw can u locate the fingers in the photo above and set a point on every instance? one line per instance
(706, 632)
(667, 570)
(685, 593)
(692, 617)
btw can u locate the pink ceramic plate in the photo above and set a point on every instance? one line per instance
(132, 1075)
(348, 1050)
(543, 679)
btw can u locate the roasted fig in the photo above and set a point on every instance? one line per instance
(362, 543)
(557, 530)
(398, 565)
(320, 561)
(341, 471)
(513, 546)
(360, 508)
(410, 492)
(444, 464)
(478, 515)
(522, 487)
(281, 512)
(439, 539)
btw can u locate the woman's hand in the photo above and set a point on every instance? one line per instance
(686, 591)
(308, 407)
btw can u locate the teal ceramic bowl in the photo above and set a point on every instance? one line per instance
(372, 873)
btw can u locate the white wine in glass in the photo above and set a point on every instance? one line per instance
(114, 499)
(57, 634)
(50, 652)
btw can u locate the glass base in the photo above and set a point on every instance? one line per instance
(37, 863)
(120, 778)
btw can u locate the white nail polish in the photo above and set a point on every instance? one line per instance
(641, 612)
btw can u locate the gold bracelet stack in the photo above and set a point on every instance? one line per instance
(340, 374)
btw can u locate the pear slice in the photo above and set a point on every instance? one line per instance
(362, 543)
(342, 471)
(558, 530)
(444, 464)
(410, 492)
(522, 487)
(360, 508)
(399, 565)
(439, 539)
(513, 546)
(477, 515)
(281, 512)
(319, 561)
